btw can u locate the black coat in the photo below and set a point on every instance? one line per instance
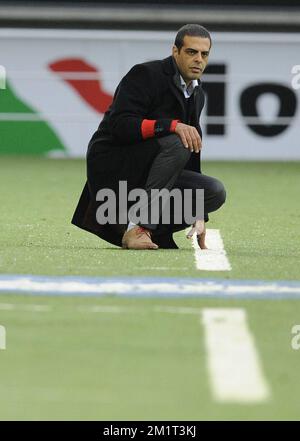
(117, 150)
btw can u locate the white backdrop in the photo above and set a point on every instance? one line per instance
(259, 61)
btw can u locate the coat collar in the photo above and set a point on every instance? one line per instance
(170, 68)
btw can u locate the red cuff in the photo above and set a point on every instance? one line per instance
(147, 128)
(173, 125)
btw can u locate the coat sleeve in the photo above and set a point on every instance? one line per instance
(132, 103)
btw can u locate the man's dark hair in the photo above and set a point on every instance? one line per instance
(192, 30)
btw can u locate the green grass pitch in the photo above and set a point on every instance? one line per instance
(67, 362)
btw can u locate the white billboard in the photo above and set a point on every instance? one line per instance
(58, 84)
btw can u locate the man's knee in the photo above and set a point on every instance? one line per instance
(173, 146)
(219, 192)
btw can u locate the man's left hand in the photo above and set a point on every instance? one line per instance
(200, 230)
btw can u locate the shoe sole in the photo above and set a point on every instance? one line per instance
(125, 247)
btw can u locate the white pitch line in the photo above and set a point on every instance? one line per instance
(233, 363)
(177, 309)
(106, 309)
(2, 337)
(160, 287)
(7, 307)
(29, 308)
(214, 258)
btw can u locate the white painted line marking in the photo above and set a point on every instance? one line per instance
(29, 308)
(215, 258)
(177, 309)
(6, 307)
(104, 309)
(164, 268)
(107, 309)
(2, 337)
(145, 287)
(110, 309)
(233, 363)
(32, 285)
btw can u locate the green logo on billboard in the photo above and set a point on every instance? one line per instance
(23, 130)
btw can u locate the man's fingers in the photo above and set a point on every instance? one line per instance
(197, 140)
(201, 241)
(190, 233)
(189, 136)
(184, 140)
(199, 226)
(189, 140)
(193, 141)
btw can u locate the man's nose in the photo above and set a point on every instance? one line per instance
(198, 57)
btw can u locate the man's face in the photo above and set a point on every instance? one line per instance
(192, 58)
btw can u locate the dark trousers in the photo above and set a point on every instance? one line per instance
(167, 171)
(155, 163)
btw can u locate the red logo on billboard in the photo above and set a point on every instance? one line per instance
(70, 70)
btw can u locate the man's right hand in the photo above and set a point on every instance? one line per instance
(189, 136)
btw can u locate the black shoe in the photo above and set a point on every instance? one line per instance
(165, 241)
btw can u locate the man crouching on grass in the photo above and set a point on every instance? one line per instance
(150, 138)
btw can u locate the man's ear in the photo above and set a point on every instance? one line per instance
(174, 51)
